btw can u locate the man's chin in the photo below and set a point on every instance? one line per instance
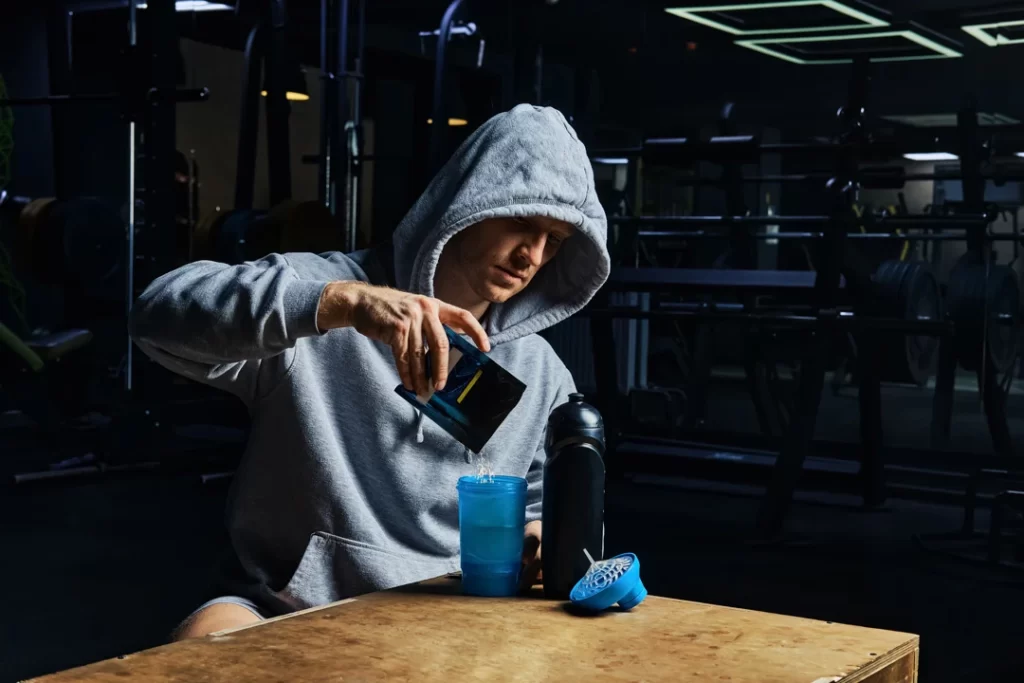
(499, 295)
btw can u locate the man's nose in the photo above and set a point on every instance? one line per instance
(532, 250)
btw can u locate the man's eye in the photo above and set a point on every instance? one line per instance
(555, 240)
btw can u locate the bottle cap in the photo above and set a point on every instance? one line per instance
(575, 422)
(608, 582)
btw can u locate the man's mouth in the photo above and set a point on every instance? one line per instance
(512, 273)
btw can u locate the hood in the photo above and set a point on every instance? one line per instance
(524, 162)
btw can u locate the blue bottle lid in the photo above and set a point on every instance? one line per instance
(608, 582)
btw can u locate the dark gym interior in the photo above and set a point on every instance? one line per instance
(805, 413)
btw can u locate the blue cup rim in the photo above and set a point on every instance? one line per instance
(499, 482)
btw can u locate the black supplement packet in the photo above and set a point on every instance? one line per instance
(476, 399)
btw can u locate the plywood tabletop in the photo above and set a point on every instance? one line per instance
(428, 632)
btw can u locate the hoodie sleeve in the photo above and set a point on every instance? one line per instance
(535, 477)
(217, 324)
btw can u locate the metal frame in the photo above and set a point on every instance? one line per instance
(439, 116)
(265, 49)
(823, 318)
(341, 128)
(979, 245)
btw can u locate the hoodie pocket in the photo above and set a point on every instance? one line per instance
(334, 568)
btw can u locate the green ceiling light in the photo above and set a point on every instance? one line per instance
(983, 33)
(761, 45)
(695, 14)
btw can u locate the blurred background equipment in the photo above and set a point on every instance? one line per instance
(70, 242)
(807, 356)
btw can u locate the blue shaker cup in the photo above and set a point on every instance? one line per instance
(492, 518)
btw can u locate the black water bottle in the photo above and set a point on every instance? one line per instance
(573, 509)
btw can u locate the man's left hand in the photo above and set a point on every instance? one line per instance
(531, 573)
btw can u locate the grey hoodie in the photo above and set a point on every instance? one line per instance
(344, 487)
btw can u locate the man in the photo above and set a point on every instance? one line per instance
(344, 487)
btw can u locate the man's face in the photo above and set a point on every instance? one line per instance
(499, 256)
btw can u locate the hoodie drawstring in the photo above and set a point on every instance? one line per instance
(419, 426)
(466, 453)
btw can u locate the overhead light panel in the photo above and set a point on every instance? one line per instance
(719, 17)
(991, 36)
(200, 6)
(611, 161)
(194, 6)
(931, 156)
(798, 54)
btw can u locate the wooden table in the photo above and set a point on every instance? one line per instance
(428, 632)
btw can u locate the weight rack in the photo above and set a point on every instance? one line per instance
(833, 299)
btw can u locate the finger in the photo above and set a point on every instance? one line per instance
(532, 535)
(529, 575)
(417, 357)
(402, 363)
(400, 348)
(531, 551)
(437, 340)
(531, 557)
(463, 321)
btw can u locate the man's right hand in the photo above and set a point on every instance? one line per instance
(408, 323)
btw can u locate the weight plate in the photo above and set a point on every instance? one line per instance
(262, 237)
(30, 214)
(908, 290)
(80, 240)
(965, 302)
(93, 239)
(974, 292)
(1003, 307)
(202, 235)
(281, 212)
(310, 227)
(229, 240)
(888, 280)
(31, 247)
(923, 302)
